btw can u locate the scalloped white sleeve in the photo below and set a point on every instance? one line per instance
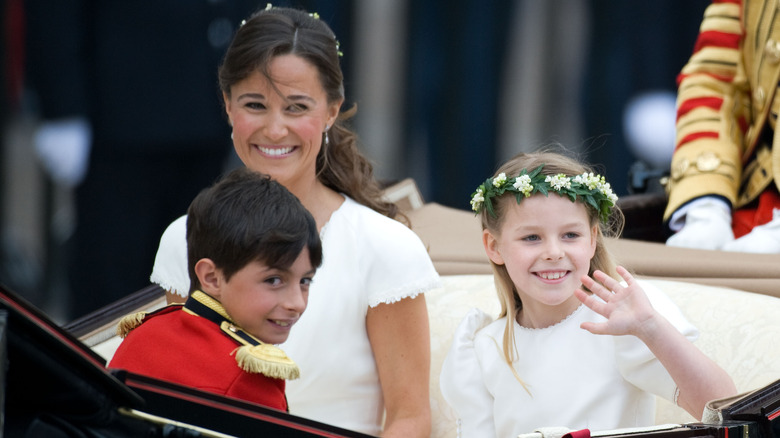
(394, 259)
(461, 379)
(170, 264)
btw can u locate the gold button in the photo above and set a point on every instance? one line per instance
(707, 162)
(772, 51)
(759, 95)
(679, 168)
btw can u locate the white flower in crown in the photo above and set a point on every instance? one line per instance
(499, 180)
(478, 199)
(606, 189)
(559, 181)
(523, 185)
(590, 180)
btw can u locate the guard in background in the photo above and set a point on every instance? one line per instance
(723, 190)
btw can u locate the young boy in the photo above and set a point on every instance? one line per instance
(252, 252)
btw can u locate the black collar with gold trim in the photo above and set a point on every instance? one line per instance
(254, 356)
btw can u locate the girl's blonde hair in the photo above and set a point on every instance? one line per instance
(554, 162)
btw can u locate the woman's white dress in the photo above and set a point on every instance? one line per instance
(368, 259)
(576, 379)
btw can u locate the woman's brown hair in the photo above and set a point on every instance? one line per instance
(274, 32)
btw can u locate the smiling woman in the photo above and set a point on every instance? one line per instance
(363, 345)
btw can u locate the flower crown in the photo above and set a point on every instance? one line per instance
(592, 190)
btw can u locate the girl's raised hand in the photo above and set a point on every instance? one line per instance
(627, 309)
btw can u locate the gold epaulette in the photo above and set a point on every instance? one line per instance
(254, 355)
(129, 322)
(133, 320)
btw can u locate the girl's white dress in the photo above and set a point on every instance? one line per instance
(576, 379)
(368, 259)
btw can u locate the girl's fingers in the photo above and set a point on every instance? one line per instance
(589, 300)
(623, 272)
(596, 287)
(610, 283)
(595, 328)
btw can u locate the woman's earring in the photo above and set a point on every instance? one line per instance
(327, 128)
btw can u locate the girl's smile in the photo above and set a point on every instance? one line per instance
(552, 276)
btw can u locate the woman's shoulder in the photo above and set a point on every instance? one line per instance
(174, 233)
(354, 211)
(372, 226)
(390, 257)
(170, 262)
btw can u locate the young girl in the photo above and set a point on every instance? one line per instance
(541, 363)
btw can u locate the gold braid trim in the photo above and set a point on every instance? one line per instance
(208, 301)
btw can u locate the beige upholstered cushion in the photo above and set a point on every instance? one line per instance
(446, 308)
(739, 330)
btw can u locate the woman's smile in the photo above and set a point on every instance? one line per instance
(277, 151)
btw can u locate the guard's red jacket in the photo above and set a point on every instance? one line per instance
(187, 349)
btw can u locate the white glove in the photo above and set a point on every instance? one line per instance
(764, 239)
(707, 226)
(63, 147)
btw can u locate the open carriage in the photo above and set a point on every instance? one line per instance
(734, 299)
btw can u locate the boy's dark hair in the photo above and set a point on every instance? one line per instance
(247, 217)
